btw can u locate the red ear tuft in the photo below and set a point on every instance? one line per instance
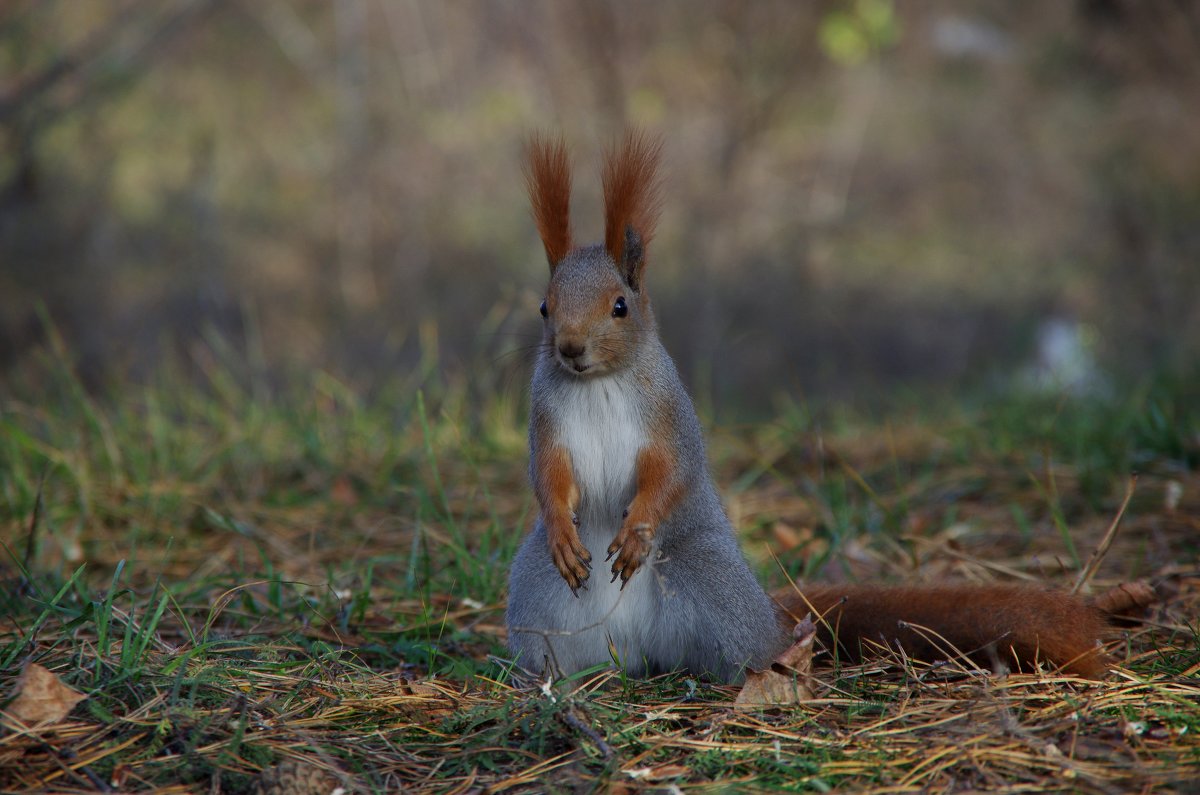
(632, 193)
(548, 180)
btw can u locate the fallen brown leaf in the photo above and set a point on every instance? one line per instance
(42, 697)
(789, 679)
(343, 492)
(786, 537)
(1127, 599)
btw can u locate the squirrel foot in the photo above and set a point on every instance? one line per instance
(631, 546)
(570, 556)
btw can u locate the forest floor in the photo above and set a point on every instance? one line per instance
(271, 589)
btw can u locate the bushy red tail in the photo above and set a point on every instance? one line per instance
(1008, 624)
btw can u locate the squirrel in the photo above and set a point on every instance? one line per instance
(620, 474)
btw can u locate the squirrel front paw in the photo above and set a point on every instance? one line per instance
(570, 556)
(631, 546)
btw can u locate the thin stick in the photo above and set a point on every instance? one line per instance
(1098, 555)
(583, 727)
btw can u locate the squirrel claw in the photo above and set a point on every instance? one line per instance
(568, 553)
(631, 546)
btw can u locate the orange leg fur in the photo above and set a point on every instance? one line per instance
(558, 496)
(658, 491)
(993, 624)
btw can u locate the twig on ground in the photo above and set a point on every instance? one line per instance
(1102, 549)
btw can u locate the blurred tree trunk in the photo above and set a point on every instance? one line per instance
(356, 278)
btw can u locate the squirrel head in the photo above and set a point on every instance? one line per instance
(596, 310)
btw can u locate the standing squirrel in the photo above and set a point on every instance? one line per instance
(619, 469)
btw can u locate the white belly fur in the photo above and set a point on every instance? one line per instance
(603, 431)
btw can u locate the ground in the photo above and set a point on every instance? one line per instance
(310, 583)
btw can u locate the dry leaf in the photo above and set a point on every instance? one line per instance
(786, 537)
(343, 492)
(411, 687)
(1127, 599)
(42, 697)
(789, 679)
(422, 700)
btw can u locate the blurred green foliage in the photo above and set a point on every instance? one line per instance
(861, 196)
(851, 35)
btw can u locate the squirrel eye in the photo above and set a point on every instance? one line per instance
(619, 308)
(543, 310)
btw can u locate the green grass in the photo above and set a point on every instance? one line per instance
(237, 575)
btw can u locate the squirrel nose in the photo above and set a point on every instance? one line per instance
(571, 350)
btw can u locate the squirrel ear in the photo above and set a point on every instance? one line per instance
(632, 198)
(634, 259)
(548, 180)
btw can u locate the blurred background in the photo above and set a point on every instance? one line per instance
(863, 198)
